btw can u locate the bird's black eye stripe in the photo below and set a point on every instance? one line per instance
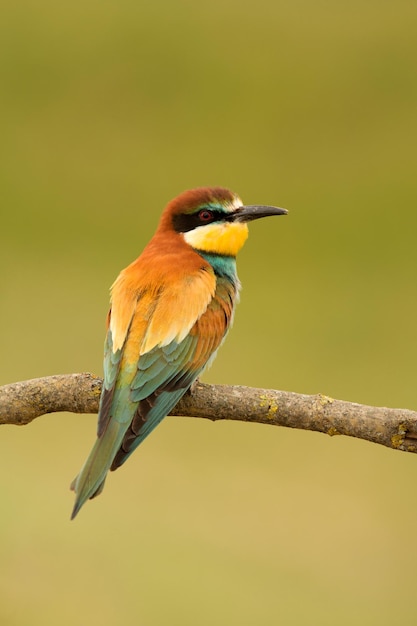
(184, 222)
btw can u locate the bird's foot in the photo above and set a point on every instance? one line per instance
(192, 387)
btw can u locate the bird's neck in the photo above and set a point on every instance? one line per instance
(224, 266)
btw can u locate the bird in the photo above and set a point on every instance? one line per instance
(170, 311)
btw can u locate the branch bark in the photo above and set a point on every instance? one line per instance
(22, 402)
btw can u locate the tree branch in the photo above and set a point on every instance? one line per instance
(22, 402)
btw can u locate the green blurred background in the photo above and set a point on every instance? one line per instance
(108, 110)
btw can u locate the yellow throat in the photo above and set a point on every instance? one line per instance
(218, 238)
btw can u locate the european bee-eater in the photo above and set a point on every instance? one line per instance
(170, 311)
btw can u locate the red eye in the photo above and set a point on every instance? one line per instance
(205, 216)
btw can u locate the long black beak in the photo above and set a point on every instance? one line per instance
(254, 212)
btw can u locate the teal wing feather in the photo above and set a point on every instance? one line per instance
(111, 367)
(163, 376)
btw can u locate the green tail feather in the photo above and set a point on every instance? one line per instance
(90, 481)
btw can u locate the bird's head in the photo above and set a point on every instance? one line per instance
(213, 219)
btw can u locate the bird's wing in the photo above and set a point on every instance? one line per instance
(155, 348)
(166, 372)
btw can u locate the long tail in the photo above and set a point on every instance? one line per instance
(90, 481)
